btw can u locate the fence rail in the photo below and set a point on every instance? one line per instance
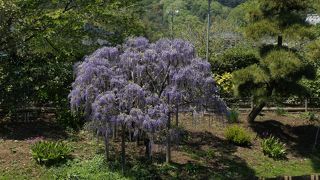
(288, 104)
(30, 114)
(27, 114)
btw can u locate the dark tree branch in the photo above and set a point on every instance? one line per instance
(68, 6)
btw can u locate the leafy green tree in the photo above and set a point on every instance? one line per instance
(280, 67)
(41, 40)
(312, 53)
(189, 23)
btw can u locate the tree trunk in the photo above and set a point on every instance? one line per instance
(255, 112)
(177, 115)
(147, 143)
(115, 129)
(138, 138)
(316, 139)
(123, 148)
(168, 150)
(280, 40)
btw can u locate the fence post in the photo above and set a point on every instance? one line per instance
(306, 105)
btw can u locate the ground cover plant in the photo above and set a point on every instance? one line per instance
(280, 111)
(233, 116)
(49, 152)
(273, 148)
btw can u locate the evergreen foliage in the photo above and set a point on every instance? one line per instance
(280, 68)
(276, 74)
(235, 58)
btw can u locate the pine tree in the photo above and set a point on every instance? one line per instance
(280, 67)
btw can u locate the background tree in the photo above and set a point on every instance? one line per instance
(280, 19)
(41, 40)
(280, 67)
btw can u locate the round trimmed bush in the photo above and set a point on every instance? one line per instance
(238, 135)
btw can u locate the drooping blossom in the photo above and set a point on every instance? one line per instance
(138, 84)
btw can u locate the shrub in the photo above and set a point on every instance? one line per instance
(49, 152)
(238, 135)
(233, 116)
(224, 83)
(235, 58)
(68, 120)
(311, 116)
(273, 148)
(210, 154)
(280, 111)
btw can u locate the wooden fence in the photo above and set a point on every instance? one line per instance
(31, 114)
(307, 177)
(27, 114)
(287, 104)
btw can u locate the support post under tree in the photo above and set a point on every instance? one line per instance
(168, 140)
(123, 148)
(106, 142)
(177, 114)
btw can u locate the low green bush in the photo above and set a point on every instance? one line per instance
(210, 154)
(311, 116)
(233, 116)
(273, 148)
(280, 111)
(238, 135)
(50, 152)
(68, 120)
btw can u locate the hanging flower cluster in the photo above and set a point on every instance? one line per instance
(138, 84)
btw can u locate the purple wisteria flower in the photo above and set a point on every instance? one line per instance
(138, 84)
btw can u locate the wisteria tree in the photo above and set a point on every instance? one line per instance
(139, 85)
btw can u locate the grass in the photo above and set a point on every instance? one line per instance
(204, 154)
(95, 168)
(267, 167)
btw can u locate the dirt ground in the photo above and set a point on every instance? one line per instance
(203, 150)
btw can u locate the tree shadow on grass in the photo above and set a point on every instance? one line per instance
(200, 156)
(23, 131)
(298, 139)
(212, 157)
